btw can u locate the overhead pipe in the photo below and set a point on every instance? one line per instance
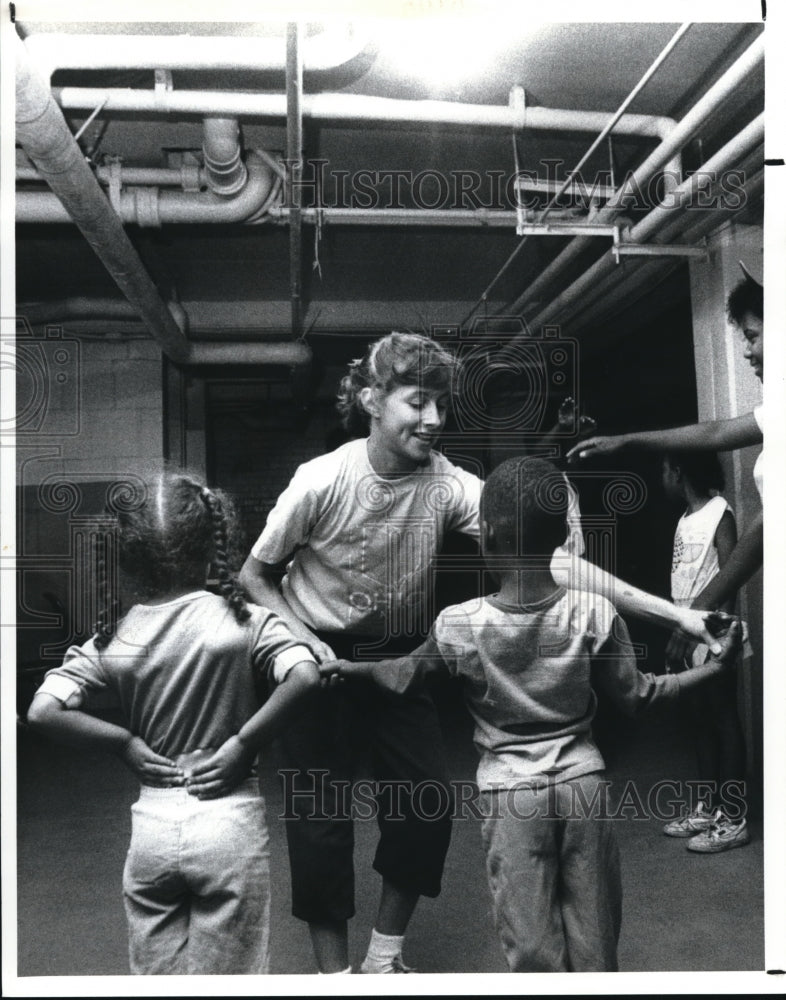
(43, 133)
(726, 157)
(363, 108)
(685, 130)
(482, 218)
(617, 292)
(294, 84)
(145, 206)
(151, 207)
(687, 227)
(616, 288)
(292, 353)
(225, 171)
(188, 176)
(54, 51)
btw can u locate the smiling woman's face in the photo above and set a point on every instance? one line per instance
(406, 423)
(753, 332)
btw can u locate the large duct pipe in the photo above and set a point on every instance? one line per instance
(43, 133)
(54, 51)
(682, 196)
(687, 128)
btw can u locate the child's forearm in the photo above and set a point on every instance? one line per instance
(287, 700)
(401, 675)
(696, 677)
(711, 435)
(67, 725)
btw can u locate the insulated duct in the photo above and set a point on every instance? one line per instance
(53, 51)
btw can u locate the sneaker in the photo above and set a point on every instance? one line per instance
(721, 836)
(396, 964)
(690, 823)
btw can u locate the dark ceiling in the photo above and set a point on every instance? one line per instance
(233, 280)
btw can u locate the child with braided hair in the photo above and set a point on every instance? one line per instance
(181, 663)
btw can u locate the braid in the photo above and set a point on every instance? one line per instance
(106, 599)
(227, 584)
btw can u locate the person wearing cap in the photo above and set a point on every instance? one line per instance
(745, 310)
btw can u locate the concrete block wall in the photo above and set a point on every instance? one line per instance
(102, 421)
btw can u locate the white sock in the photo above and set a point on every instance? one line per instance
(341, 972)
(383, 948)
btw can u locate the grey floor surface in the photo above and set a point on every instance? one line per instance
(681, 911)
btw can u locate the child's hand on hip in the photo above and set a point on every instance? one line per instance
(223, 771)
(151, 768)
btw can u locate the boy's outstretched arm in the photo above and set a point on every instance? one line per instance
(67, 724)
(399, 675)
(615, 671)
(229, 765)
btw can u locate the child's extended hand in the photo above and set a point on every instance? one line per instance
(596, 446)
(218, 774)
(151, 768)
(332, 671)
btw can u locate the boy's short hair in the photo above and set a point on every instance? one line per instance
(526, 499)
(746, 297)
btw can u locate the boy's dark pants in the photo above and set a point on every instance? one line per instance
(413, 801)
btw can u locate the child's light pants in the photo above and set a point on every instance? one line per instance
(197, 883)
(555, 882)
